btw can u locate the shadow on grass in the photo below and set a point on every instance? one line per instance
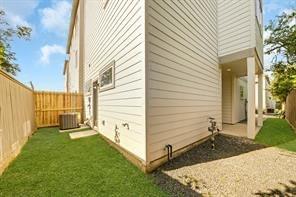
(226, 147)
(289, 190)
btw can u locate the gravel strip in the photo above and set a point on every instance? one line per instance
(238, 167)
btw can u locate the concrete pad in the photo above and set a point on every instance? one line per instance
(76, 129)
(82, 134)
(239, 129)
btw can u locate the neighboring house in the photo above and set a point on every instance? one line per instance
(73, 68)
(154, 71)
(270, 103)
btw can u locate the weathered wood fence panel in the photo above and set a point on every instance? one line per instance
(17, 118)
(48, 106)
(291, 108)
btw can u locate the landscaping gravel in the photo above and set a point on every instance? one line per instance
(238, 167)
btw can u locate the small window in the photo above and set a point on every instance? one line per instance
(242, 95)
(76, 59)
(87, 86)
(106, 77)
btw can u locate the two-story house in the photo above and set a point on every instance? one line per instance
(74, 65)
(154, 71)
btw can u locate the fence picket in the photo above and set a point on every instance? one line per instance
(291, 108)
(17, 120)
(48, 106)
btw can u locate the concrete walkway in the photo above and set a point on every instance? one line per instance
(82, 134)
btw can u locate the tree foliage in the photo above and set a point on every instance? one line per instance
(284, 80)
(7, 33)
(282, 45)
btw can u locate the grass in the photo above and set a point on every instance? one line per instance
(51, 164)
(277, 132)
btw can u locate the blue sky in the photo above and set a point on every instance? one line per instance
(41, 59)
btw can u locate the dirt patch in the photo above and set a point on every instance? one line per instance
(238, 167)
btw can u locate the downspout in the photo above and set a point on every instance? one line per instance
(169, 149)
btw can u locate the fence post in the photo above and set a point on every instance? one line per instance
(291, 108)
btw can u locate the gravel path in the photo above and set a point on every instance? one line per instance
(238, 167)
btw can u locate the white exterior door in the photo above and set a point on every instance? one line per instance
(242, 100)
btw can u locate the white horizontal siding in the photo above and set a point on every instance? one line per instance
(117, 33)
(234, 26)
(184, 76)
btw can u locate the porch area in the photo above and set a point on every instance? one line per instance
(238, 129)
(242, 96)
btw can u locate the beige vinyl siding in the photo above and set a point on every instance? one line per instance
(259, 42)
(227, 97)
(73, 59)
(80, 37)
(184, 79)
(117, 33)
(234, 26)
(257, 32)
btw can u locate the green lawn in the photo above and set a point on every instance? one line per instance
(51, 164)
(277, 132)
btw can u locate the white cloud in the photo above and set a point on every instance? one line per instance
(290, 11)
(17, 20)
(268, 61)
(23, 8)
(49, 50)
(17, 11)
(267, 58)
(287, 11)
(266, 34)
(56, 18)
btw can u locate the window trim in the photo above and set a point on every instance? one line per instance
(109, 86)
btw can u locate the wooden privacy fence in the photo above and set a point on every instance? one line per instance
(48, 106)
(17, 119)
(291, 108)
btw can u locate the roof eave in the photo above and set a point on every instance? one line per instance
(72, 22)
